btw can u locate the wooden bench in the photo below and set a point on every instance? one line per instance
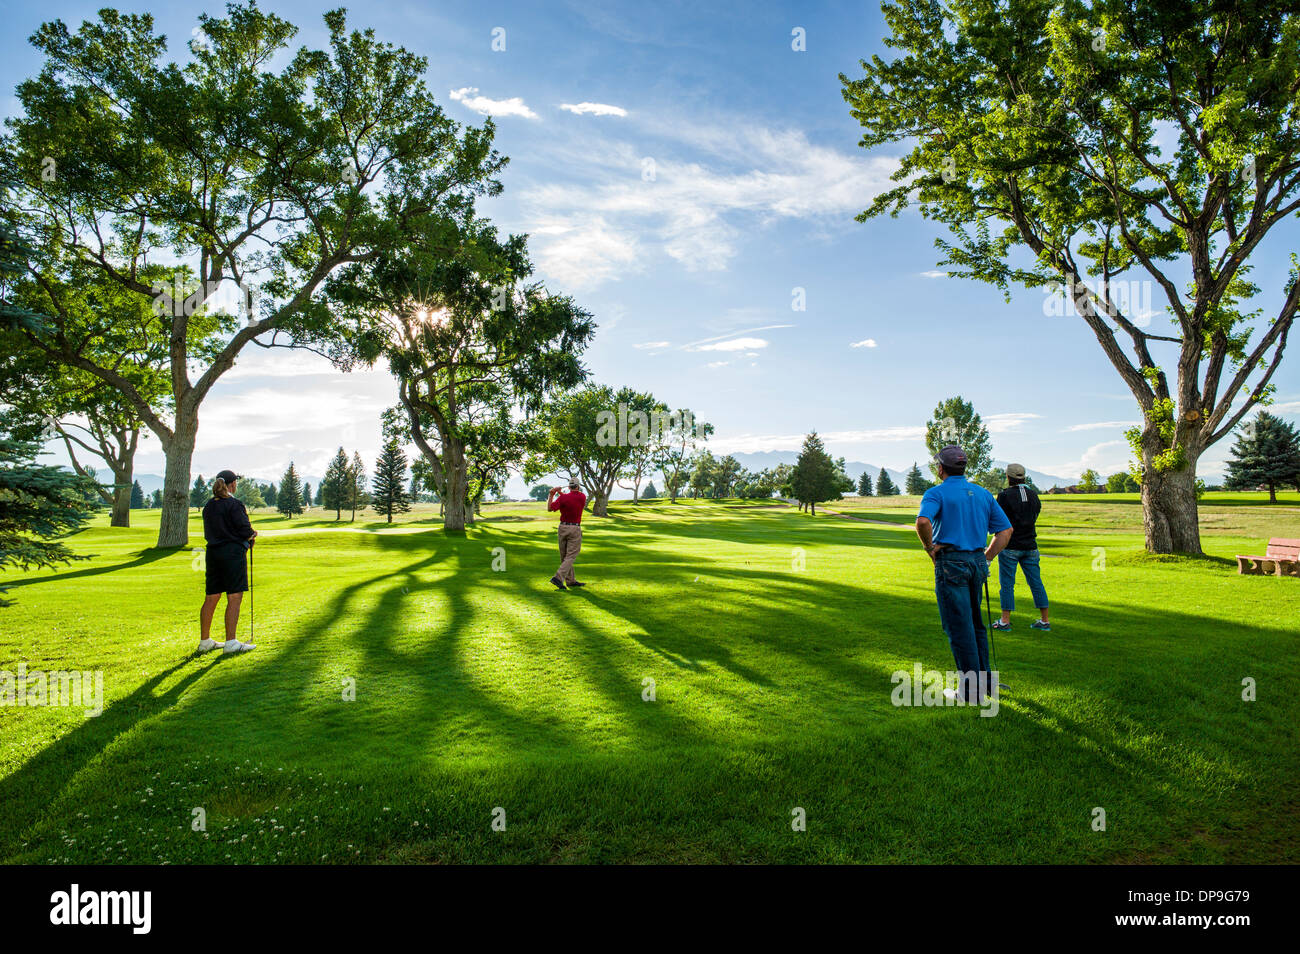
(1282, 558)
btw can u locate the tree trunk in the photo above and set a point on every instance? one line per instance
(456, 499)
(122, 480)
(1272, 492)
(599, 504)
(1169, 516)
(174, 527)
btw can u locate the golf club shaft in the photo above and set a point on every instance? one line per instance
(988, 615)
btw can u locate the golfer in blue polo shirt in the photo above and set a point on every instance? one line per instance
(955, 520)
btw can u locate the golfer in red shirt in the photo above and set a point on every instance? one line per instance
(570, 506)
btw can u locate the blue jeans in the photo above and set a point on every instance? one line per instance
(959, 577)
(1027, 560)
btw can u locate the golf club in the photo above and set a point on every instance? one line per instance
(988, 616)
(250, 592)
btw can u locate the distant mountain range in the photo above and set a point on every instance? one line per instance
(855, 469)
(762, 460)
(151, 482)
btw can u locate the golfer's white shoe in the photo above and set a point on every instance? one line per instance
(235, 646)
(206, 646)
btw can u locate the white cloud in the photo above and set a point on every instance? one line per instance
(696, 209)
(1001, 423)
(594, 109)
(256, 362)
(1101, 426)
(587, 251)
(717, 364)
(933, 273)
(514, 106)
(735, 344)
(646, 345)
(753, 443)
(864, 343)
(694, 345)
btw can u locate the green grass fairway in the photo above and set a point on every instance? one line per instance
(478, 690)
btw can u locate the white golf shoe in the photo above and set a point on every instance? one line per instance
(206, 646)
(235, 646)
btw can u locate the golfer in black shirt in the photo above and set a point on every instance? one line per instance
(1021, 505)
(229, 537)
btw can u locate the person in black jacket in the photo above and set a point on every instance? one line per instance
(229, 537)
(1020, 503)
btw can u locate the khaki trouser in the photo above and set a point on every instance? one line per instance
(570, 544)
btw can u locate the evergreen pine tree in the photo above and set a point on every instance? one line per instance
(390, 495)
(288, 500)
(336, 485)
(1266, 453)
(199, 492)
(864, 484)
(650, 492)
(885, 486)
(357, 495)
(38, 504)
(268, 494)
(137, 496)
(306, 496)
(916, 482)
(815, 476)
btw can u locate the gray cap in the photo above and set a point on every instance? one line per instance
(951, 458)
(1016, 471)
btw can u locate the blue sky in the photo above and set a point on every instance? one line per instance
(692, 275)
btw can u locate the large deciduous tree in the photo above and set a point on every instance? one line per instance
(674, 453)
(578, 434)
(263, 170)
(1098, 143)
(955, 421)
(654, 430)
(105, 323)
(469, 341)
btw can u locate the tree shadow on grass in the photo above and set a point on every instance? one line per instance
(792, 531)
(143, 558)
(37, 785)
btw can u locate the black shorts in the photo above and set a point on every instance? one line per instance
(226, 569)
